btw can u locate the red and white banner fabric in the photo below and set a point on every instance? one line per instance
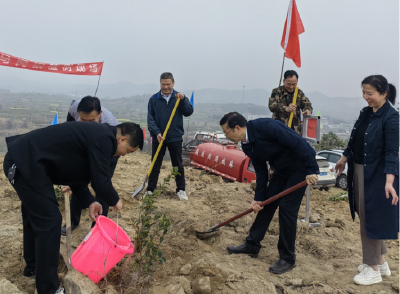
(84, 69)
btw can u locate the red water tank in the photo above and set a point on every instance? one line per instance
(223, 160)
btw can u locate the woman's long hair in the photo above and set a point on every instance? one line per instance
(381, 84)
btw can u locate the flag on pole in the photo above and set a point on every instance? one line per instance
(290, 38)
(192, 99)
(55, 120)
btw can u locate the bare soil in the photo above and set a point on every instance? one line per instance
(327, 256)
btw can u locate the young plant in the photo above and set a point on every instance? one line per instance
(59, 194)
(151, 228)
(341, 196)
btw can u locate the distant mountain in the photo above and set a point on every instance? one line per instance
(121, 89)
(255, 96)
(342, 107)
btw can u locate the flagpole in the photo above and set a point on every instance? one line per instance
(283, 62)
(187, 130)
(98, 82)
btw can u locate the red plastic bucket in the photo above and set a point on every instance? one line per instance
(98, 253)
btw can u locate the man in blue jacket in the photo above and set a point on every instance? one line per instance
(293, 158)
(160, 108)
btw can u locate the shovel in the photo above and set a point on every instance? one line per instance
(68, 228)
(268, 201)
(158, 150)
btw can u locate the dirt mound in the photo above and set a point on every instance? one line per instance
(327, 256)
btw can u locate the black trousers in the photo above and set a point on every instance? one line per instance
(288, 212)
(41, 220)
(175, 151)
(76, 207)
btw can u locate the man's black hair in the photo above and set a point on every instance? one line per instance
(88, 104)
(289, 74)
(233, 119)
(166, 76)
(133, 132)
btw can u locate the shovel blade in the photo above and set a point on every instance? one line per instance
(213, 229)
(140, 189)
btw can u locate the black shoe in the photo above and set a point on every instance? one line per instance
(242, 249)
(31, 274)
(64, 229)
(281, 267)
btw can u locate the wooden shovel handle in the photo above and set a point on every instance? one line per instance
(268, 201)
(164, 135)
(68, 227)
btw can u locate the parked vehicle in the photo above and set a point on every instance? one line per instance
(326, 177)
(232, 164)
(191, 146)
(224, 160)
(208, 135)
(333, 156)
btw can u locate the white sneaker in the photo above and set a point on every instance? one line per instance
(368, 276)
(182, 195)
(383, 268)
(147, 192)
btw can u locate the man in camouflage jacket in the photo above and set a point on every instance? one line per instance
(281, 100)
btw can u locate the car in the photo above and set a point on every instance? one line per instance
(326, 177)
(208, 135)
(333, 157)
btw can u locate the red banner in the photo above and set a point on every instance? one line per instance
(84, 69)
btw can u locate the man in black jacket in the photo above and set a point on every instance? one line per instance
(159, 111)
(88, 109)
(72, 154)
(270, 140)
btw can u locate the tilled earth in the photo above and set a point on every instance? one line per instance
(327, 256)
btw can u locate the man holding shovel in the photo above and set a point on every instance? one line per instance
(160, 108)
(281, 100)
(39, 159)
(269, 140)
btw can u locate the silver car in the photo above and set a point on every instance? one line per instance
(333, 156)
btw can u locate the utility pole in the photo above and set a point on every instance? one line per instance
(243, 94)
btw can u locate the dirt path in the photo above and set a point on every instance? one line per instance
(327, 257)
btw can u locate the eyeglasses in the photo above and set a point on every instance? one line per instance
(227, 132)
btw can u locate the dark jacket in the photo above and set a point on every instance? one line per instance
(159, 112)
(270, 140)
(381, 157)
(72, 154)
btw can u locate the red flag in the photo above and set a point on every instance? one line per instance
(290, 38)
(85, 69)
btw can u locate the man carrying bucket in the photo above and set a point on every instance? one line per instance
(88, 109)
(39, 159)
(269, 140)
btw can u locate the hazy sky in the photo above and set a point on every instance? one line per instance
(206, 44)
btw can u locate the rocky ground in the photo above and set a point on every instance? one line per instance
(327, 256)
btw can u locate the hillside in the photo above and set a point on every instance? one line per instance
(327, 257)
